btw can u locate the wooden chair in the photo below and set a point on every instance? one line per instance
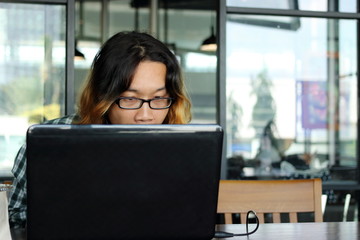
(270, 197)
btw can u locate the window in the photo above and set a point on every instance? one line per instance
(182, 27)
(306, 5)
(32, 69)
(291, 94)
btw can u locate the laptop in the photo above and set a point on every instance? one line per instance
(123, 181)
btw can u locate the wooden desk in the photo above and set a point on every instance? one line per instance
(297, 231)
(278, 231)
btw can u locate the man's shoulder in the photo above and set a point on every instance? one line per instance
(68, 119)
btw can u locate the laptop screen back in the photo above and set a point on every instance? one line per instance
(123, 181)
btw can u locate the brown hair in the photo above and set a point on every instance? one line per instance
(112, 72)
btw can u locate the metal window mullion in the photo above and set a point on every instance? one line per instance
(291, 13)
(333, 91)
(70, 52)
(357, 194)
(221, 79)
(56, 2)
(104, 21)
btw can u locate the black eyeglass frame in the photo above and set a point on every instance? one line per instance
(117, 101)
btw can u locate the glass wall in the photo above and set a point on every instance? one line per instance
(305, 5)
(292, 95)
(32, 69)
(33, 56)
(289, 95)
(182, 27)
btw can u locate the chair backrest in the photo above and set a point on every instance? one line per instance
(270, 197)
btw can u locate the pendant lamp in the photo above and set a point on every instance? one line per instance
(209, 44)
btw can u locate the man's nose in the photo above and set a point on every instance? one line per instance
(145, 112)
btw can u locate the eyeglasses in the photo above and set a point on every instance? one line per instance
(136, 103)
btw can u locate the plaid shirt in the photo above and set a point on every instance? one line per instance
(17, 204)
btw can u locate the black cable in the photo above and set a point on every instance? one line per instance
(221, 234)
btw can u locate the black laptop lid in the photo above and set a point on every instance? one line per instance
(123, 181)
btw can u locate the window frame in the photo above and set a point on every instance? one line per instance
(223, 11)
(70, 46)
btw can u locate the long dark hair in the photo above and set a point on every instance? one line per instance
(112, 72)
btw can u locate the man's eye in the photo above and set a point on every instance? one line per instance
(129, 99)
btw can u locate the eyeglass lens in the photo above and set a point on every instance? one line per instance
(134, 103)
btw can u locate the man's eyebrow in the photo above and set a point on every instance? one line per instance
(135, 90)
(131, 90)
(161, 89)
